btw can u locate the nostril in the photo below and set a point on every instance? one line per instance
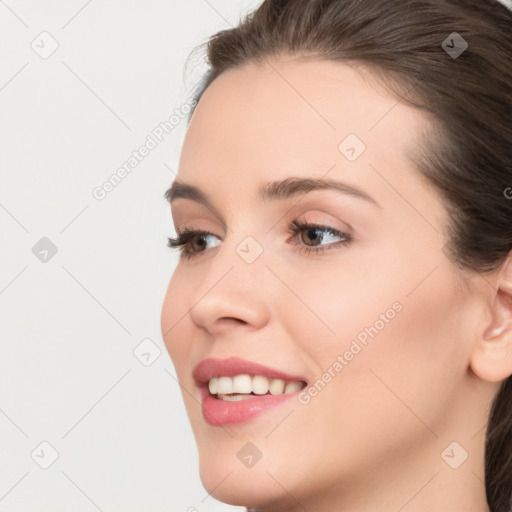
(227, 320)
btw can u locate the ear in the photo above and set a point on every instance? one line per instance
(491, 357)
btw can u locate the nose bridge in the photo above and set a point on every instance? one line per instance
(234, 284)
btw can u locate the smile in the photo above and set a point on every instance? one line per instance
(234, 390)
(244, 386)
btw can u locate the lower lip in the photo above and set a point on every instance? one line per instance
(222, 412)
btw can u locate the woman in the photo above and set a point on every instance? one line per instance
(340, 319)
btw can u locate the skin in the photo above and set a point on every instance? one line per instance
(372, 438)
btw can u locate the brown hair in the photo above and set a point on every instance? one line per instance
(467, 156)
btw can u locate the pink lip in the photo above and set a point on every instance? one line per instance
(218, 412)
(210, 367)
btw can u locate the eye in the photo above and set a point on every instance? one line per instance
(192, 243)
(185, 241)
(312, 233)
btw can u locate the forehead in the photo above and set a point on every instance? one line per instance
(290, 116)
(296, 111)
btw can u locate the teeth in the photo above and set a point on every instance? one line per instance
(233, 398)
(291, 387)
(225, 385)
(212, 385)
(259, 385)
(244, 384)
(276, 386)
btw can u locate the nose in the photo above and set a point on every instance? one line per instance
(233, 294)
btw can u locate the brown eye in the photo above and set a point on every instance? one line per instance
(200, 242)
(312, 235)
(190, 242)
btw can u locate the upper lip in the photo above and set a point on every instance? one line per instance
(211, 367)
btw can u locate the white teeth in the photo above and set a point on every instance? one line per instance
(234, 398)
(259, 385)
(225, 385)
(212, 385)
(291, 387)
(276, 386)
(244, 384)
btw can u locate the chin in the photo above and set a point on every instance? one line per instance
(249, 487)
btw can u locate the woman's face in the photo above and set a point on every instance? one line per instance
(377, 323)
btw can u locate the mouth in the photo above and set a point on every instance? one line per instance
(234, 390)
(244, 386)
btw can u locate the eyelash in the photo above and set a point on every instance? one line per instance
(182, 241)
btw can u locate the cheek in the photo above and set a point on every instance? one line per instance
(405, 373)
(402, 350)
(393, 308)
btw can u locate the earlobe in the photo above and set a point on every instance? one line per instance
(492, 332)
(491, 358)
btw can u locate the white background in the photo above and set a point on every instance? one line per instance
(70, 325)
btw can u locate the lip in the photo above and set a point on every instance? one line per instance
(212, 367)
(218, 412)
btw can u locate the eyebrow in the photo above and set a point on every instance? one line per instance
(274, 190)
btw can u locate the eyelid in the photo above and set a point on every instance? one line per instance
(185, 235)
(308, 211)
